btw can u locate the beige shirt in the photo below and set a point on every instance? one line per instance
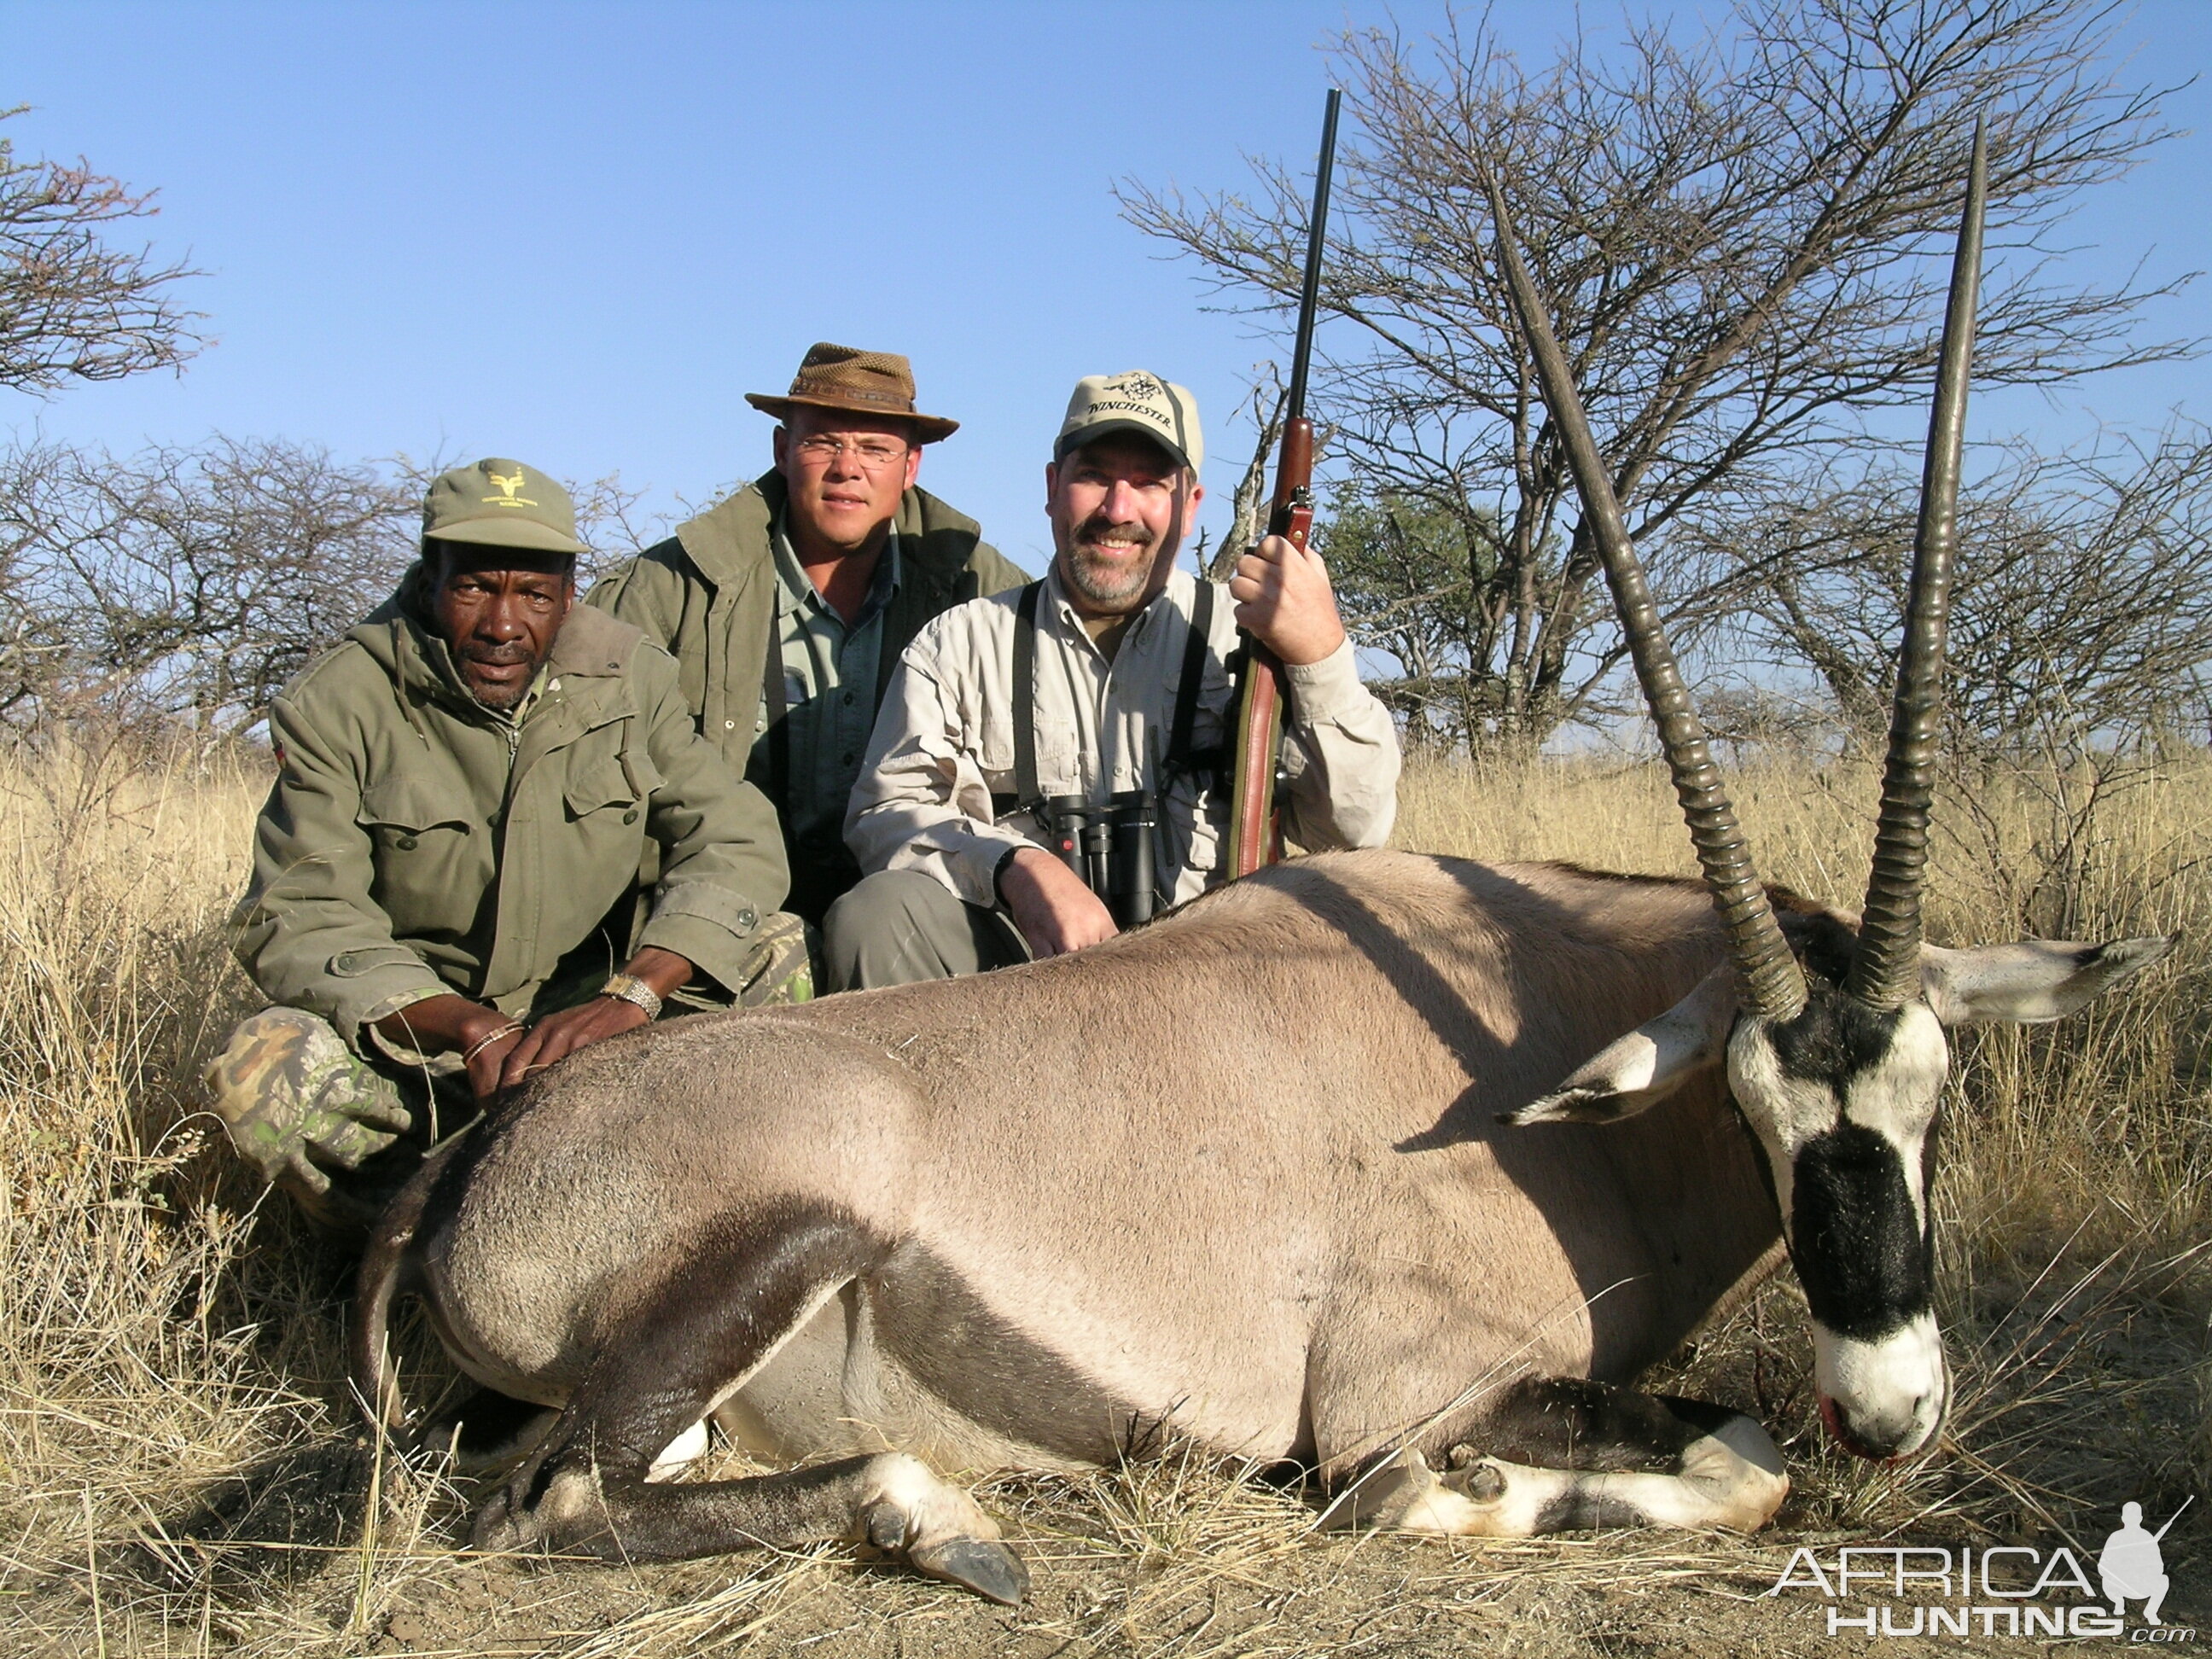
(945, 742)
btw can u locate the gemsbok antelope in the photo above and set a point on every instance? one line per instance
(1484, 1143)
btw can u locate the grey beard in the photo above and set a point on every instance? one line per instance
(1104, 586)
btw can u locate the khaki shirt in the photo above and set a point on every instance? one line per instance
(831, 670)
(945, 742)
(416, 843)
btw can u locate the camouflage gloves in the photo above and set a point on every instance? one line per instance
(301, 1107)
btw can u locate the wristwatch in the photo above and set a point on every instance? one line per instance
(632, 989)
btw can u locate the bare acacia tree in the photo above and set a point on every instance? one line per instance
(72, 306)
(192, 582)
(2080, 636)
(187, 582)
(1741, 234)
(2081, 618)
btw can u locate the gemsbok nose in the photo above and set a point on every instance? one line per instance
(1883, 1399)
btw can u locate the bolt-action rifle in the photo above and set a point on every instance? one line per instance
(1256, 826)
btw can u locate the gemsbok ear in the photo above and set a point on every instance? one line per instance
(1637, 1072)
(2030, 983)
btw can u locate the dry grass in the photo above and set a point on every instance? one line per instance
(179, 1471)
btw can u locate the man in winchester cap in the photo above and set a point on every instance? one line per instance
(1126, 702)
(444, 897)
(788, 603)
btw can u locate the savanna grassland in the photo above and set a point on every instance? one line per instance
(182, 1470)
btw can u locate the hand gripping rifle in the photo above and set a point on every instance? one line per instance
(1256, 828)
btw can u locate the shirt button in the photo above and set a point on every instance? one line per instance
(630, 817)
(845, 759)
(729, 726)
(848, 700)
(407, 843)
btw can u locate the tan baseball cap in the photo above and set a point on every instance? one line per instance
(1133, 402)
(500, 503)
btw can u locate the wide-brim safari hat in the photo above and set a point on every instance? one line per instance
(500, 503)
(852, 382)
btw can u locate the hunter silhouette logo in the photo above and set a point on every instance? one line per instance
(1996, 1589)
(2130, 1566)
(1134, 385)
(507, 485)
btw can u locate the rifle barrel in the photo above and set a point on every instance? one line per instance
(1316, 236)
(2175, 1515)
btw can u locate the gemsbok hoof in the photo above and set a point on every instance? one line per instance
(991, 1570)
(940, 1531)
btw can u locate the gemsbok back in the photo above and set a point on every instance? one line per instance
(1486, 1141)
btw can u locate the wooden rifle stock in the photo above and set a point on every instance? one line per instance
(1255, 823)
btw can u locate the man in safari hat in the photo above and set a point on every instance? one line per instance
(788, 603)
(1123, 671)
(444, 897)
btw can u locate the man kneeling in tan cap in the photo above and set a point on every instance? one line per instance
(445, 895)
(1091, 712)
(788, 603)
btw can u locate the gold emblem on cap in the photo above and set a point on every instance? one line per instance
(506, 487)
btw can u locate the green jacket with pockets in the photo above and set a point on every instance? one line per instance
(416, 842)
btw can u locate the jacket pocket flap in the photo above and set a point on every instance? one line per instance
(369, 958)
(602, 783)
(414, 804)
(709, 904)
(644, 776)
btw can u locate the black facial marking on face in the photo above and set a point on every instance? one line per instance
(1836, 1039)
(1861, 1252)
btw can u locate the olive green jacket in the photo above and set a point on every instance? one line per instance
(707, 594)
(416, 843)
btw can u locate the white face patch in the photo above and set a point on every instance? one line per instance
(1897, 1099)
(1783, 1111)
(1888, 1394)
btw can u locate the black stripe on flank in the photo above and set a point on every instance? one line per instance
(1860, 1251)
(946, 1335)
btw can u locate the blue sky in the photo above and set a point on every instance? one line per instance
(578, 233)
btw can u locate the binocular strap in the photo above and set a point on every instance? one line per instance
(1180, 760)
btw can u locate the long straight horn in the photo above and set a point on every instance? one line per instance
(1773, 983)
(1886, 968)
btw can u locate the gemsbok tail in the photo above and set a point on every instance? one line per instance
(388, 1271)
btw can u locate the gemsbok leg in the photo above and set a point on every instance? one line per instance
(1559, 1454)
(677, 1351)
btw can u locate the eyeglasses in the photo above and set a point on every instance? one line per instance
(873, 454)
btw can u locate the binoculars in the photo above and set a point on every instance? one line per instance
(1110, 847)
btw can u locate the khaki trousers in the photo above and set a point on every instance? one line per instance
(900, 926)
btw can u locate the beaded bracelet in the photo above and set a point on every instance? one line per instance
(469, 1054)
